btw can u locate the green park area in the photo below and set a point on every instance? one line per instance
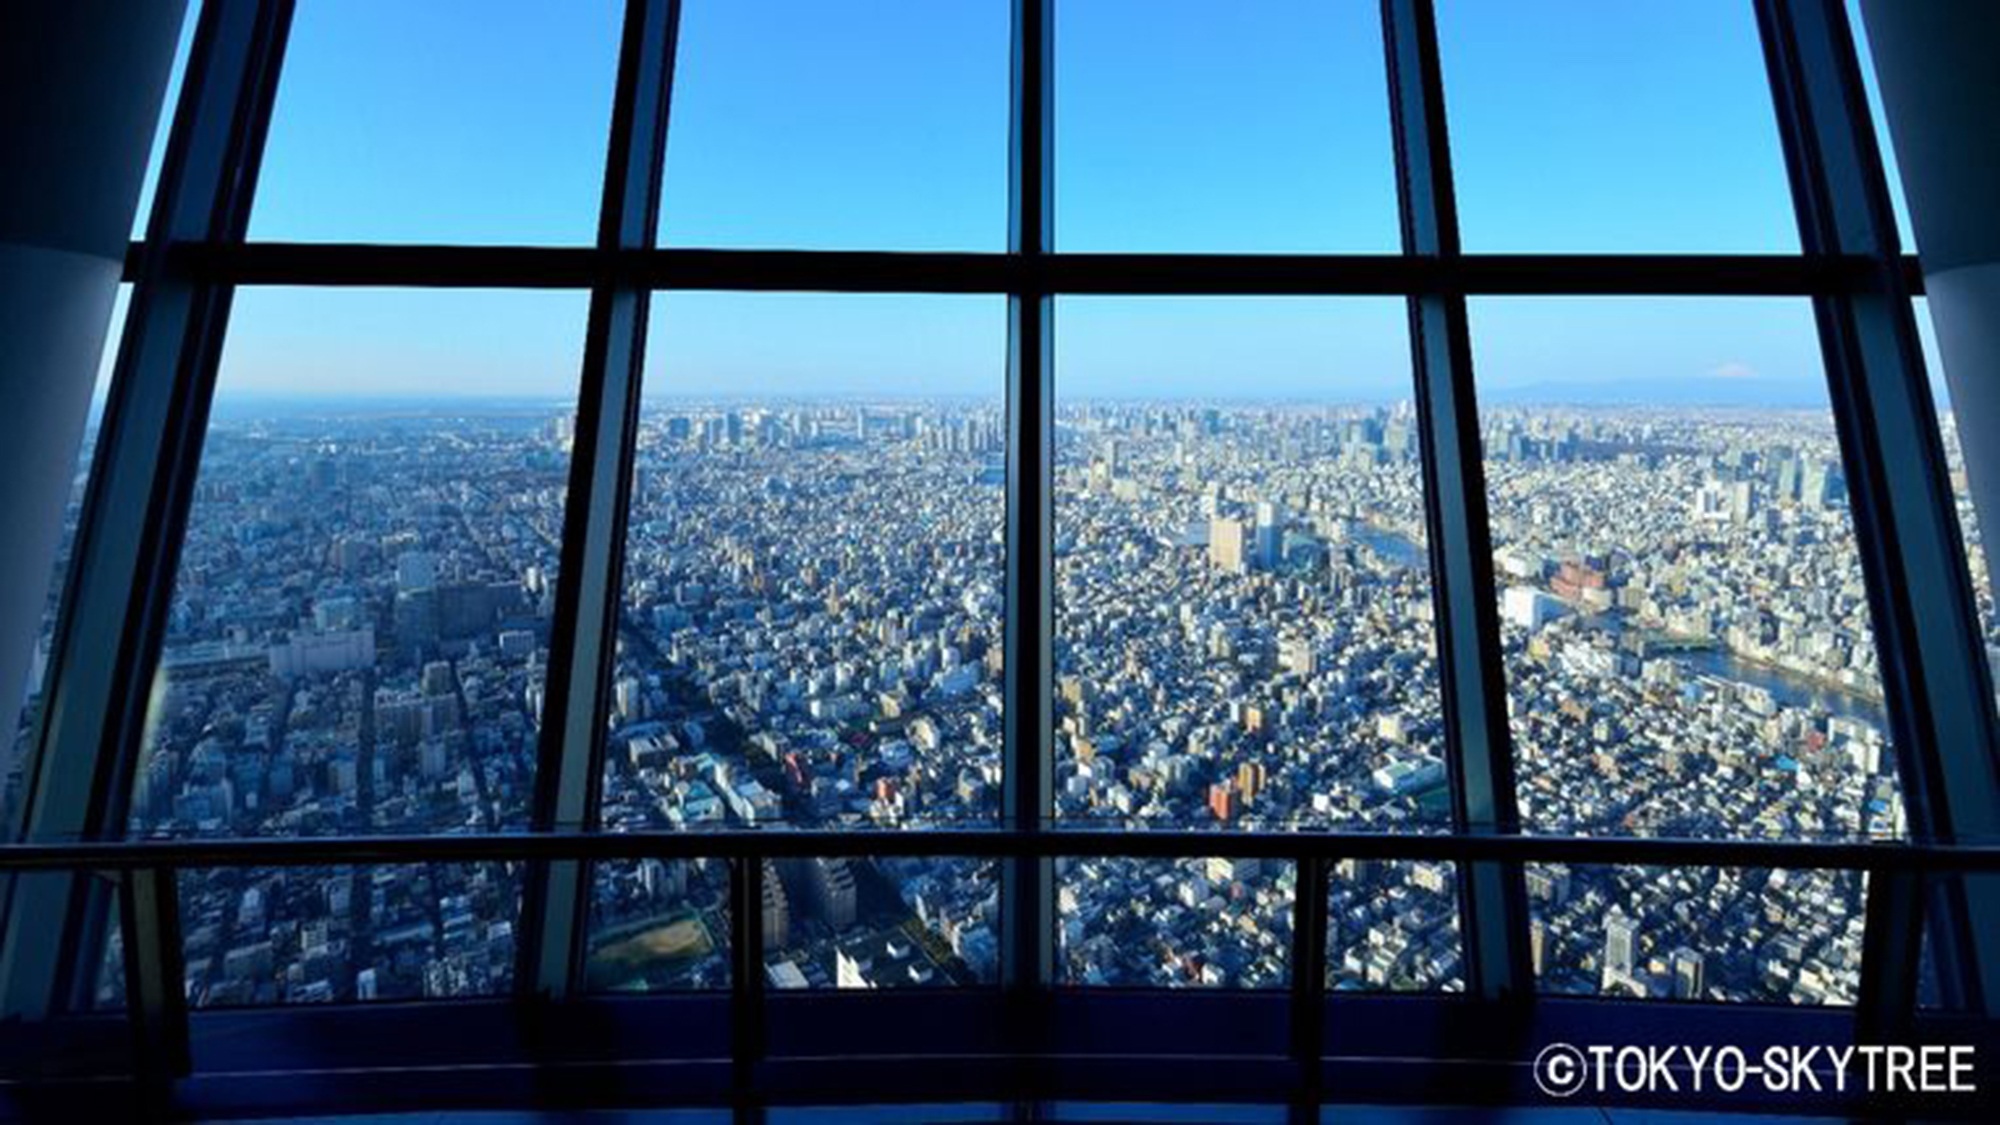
(651, 953)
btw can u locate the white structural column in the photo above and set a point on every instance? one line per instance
(1935, 60)
(83, 82)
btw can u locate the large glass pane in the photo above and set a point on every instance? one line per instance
(1187, 923)
(849, 922)
(359, 632)
(1708, 933)
(1190, 126)
(447, 121)
(1243, 618)
(809, 125)
(303, 935)
(1584, 126)
(1683, 613)
(1392, 926)
(814, 575)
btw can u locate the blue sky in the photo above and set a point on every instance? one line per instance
(1577, 126)
(1584, 127)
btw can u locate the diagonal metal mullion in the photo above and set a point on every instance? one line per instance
(584, 637)
(1934, 672)
(1492, 898)
(120, 584)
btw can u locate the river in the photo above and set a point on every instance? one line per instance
(1788, 688)
(1391, 546)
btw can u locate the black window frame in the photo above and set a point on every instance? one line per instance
(194, 255)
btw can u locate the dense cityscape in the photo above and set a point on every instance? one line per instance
(811, 635)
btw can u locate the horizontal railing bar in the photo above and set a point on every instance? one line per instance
(996, 843)
(529, 267)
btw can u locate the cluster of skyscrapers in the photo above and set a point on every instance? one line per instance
(811, 634)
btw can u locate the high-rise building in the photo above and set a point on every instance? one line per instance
(1529, 608)
(437, 678)
(828, 885)
(416, 570)
(1621, 945)
(1229, 545)
(1223, 801)
(1821, 485)
(1296, 655)
(1269, 535)
(1690, 974)
(777, 920)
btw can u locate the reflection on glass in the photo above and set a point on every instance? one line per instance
(890, 922)
(15, 743)
(659, 925)
(1715, 934)
(809, 125)
(1189, 126)
(304, 935)
(359, 633)
(814, 566)
(1961, 482)
(1579, 126)
(156, 158)
(1392, 926)
(108, 994)
(1243, 616)
(1943, 982)
(448, 121)
(1190, 923)
(1905, 237)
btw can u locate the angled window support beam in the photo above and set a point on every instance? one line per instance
(1493, 901)
(128, 542)
(583, 645)
(1934, 672)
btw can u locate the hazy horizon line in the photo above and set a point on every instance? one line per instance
(1573, 397)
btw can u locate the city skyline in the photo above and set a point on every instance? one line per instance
(495, 343)
(794, 649)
